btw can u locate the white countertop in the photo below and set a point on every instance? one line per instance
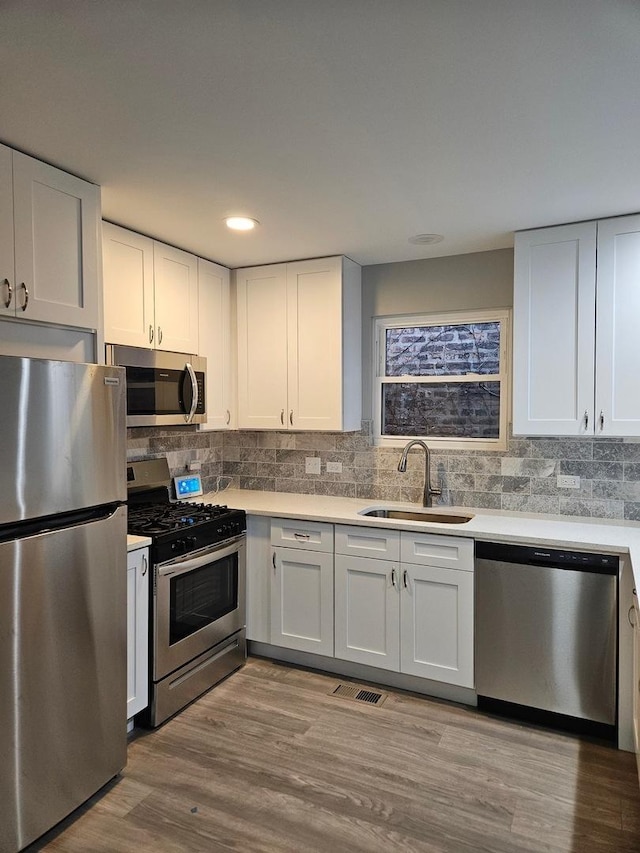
(135, 542)
(614, 537)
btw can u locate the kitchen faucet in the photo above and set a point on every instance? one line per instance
(428, 492)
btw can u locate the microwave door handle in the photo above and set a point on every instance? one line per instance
(197, 562)
(194, 393)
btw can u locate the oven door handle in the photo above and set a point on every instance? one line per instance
(179, 568)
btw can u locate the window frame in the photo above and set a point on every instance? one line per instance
(452, 318)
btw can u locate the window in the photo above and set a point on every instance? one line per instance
(442, 378)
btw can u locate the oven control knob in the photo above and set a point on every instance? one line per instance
(192, 541)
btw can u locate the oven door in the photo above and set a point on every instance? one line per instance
(198, 602)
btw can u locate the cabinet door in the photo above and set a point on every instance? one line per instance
(214, 335)
(554, 330)
(57, 223)
(128, 287)
(262, 347)
(436, 624)
(367, 611)
(636, 679)
(137, 631)
(302, 600)
(7, 267)
(618, 311)
(175, 275)
(314, 322)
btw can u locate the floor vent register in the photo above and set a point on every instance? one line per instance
(358, 694)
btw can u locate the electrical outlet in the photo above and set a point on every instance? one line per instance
(334, 467)
(568, 481)
(312, 465)
(194, 465)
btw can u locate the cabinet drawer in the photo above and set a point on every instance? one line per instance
(368, 542)
(428, 549)
(294, 533)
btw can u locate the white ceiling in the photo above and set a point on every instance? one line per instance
(344, 126)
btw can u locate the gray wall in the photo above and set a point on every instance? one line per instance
(431, 286)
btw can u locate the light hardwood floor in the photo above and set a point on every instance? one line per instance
(269, 761)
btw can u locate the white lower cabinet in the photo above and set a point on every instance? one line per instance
(367, 611)
(436, 628)
(302, 585)
(137, 631)
(636, 679)
(410, 617)
(393, 600)
(302, 600)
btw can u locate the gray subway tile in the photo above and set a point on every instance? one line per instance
(592, 470)
(632, 510)
(262, 484)
(530, 503)
(561, 449)
(487, 483)
(528, 467)
(520, 485)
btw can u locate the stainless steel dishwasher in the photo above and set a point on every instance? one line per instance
(546, 636)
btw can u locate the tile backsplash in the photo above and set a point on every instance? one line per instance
(523, 478)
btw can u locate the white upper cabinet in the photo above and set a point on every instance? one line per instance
(262, 347)
(49, 226)
(215, 344)
(175, 276)
(617, 407)
(299, 356)
(150, 292)
(575, 329)
(554, 330)
(128, 287)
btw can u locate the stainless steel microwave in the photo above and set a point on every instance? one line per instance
(163, 388)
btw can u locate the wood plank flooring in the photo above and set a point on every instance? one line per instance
(268, 761)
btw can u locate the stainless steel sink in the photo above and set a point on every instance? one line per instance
(427, 516)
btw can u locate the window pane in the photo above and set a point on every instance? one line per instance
(443, 350)
(447, 409)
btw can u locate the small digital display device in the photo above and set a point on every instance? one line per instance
(189, 486)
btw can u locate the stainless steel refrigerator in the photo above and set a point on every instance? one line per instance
(63, 558)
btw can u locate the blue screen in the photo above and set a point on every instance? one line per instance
(188, 486)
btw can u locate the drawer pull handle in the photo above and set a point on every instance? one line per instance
(304, 536)
(26, 296)
(273, 560)
(405, 579)
(393, 578)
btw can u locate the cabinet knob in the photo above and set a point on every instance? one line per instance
(7, 301)
(26, 296)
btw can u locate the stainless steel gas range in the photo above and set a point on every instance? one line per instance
(197, 610)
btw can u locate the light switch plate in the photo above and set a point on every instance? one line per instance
(568, 481)
(312, 464)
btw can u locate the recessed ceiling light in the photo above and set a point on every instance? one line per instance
(425, 239)
(241, 223)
